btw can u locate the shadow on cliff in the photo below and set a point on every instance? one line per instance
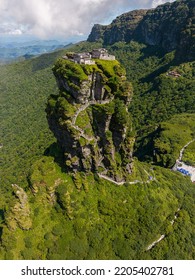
(55, 151)
(145, 146)
(148, 51)
(167, 60)
(164, 63)
(157, 72)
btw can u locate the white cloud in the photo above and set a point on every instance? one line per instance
(15, 32)
(156, 3)
(46, 18)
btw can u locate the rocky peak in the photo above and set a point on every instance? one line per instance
(97, 33)
(121, 29)
(90, 119)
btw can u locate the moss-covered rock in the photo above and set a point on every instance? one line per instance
(89, 117)
(19, 213)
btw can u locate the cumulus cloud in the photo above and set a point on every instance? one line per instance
(46, 18)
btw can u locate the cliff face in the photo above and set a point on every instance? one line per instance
(121, 29)
(170, 26)
(89, 117)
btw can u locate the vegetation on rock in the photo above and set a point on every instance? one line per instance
(85, 215)
(91, 123)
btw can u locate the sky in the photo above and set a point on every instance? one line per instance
(46, 19)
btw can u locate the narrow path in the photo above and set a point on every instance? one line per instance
(82, 133)
(128, 182)
(155, 242)
(88, 138)
(180, 166)
(111, 180)
(92, 102)
(163, 235)
(82, 108)
(182, 150)
(175, 217)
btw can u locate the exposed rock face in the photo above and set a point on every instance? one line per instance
(84, 91)
(170, 26)
(97, 33)
(90, 118)
(19, 213)
(121, 29)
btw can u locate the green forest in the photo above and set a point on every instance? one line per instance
(50, 213)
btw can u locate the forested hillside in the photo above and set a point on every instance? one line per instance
(24, 89)
(72, 196)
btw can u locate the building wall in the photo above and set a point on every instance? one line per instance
(89, 61)
(107, 57)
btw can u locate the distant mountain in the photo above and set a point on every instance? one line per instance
(11, 44)
(13, 50)
(170, 26)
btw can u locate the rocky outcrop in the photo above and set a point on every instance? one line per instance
(83, 91)
(97, 33)
(170, 26)
(90, 119)
(121, 29)
(19, 213)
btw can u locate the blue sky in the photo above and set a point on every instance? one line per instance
(48, 19)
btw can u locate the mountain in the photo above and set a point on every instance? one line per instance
(13, 50)
(122, 28)
(103, 186)
(170, 26)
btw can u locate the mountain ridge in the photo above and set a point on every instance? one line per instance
(170, 26)
(121, 29)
